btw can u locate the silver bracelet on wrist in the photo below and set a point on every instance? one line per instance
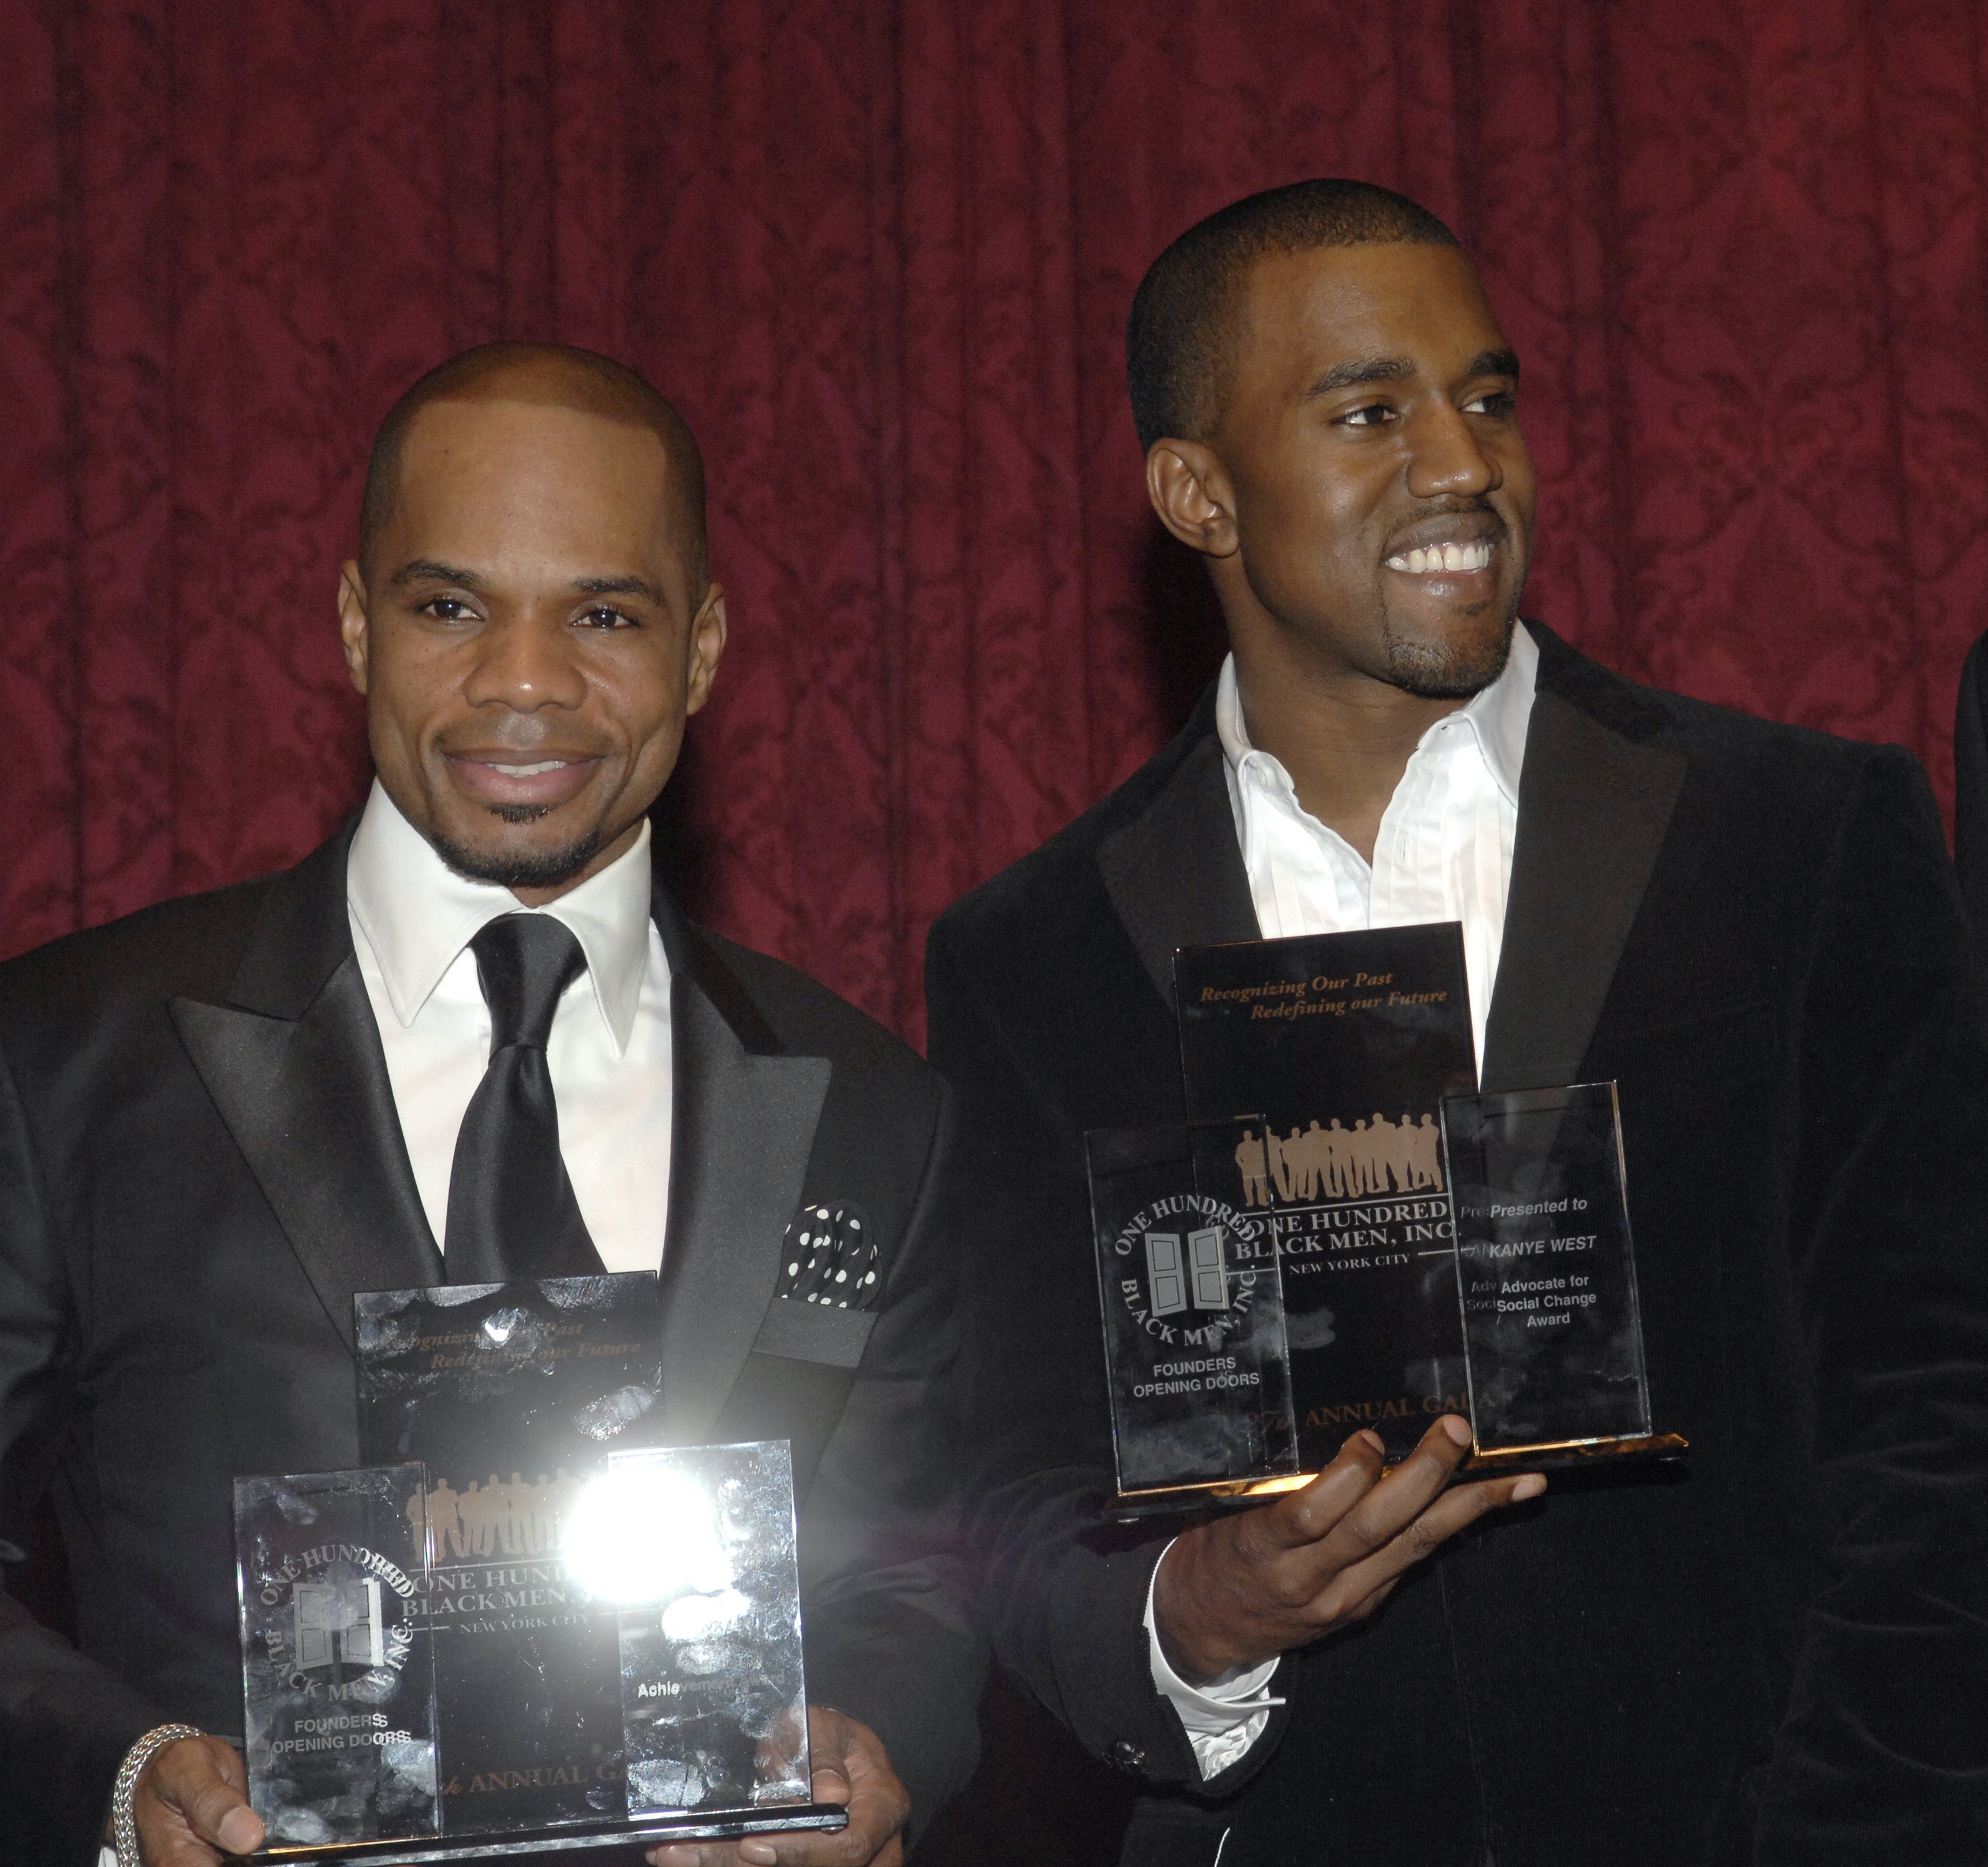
(123, 1824)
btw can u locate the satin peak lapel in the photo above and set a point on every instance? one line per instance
(294, 1066)
(1175, 873)
(1593, 809)
(744, 1126)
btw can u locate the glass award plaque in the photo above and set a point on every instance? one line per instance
(338, 1689)
(1194, 1321)
(696, 1546)
(1345, 1044)
(1552, 1336)
(598, 1637)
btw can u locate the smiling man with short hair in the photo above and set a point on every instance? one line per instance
(1770, 1654)
(471, 1038)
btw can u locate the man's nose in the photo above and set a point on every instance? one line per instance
(1445, 459)
(525, 662)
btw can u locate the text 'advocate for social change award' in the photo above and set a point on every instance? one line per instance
(526, 1624)
(1552, 1325)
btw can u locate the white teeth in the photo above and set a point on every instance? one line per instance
(1427, 560)
(530, 771)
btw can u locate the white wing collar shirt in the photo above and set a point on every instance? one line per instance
(1443, 853)
(413, 917)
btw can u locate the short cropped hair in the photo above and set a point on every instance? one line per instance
(558, 373)
(1179, 337)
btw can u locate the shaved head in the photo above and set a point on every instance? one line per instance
(550, 375)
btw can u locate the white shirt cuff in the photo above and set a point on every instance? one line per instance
(1223, 1718)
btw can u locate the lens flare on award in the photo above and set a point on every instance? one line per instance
(639, 1533)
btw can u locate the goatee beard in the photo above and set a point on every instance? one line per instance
(1437, 671)
(553, 868)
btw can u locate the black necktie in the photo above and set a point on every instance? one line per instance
(511, 1208)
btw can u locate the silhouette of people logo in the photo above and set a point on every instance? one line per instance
(497, 1518)
(1311, 1163)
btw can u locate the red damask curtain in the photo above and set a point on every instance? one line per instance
(882, 251)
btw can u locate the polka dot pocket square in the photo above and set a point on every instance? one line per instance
(828, 1257)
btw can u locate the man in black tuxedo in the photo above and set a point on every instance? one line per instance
(1773, 1653)
(222, 1117)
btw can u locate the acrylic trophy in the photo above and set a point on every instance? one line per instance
(1552, 1333)
(713, 1706)
(1194, 1323)
(338, 1683)
(1346, 1044)
(599, 1636)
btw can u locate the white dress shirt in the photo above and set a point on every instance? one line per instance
(1443, 853)
(413, 917)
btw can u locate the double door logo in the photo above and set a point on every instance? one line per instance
(1190, 1269)
(338, 1623)
(1197, 1274)
(343, 1633)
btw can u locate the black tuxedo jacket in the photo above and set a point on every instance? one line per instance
(1970, 792)
(1775, 1652)
(200, 1162)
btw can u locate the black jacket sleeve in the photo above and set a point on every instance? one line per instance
(1065, 1591)
(892, 1636)
(1883, 1751)
(66, 1722)
(1970, 792)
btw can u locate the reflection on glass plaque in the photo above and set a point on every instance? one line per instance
(694, 1547)
(1345, 1044)
(338, 1683)
(512, 1395)
(1194, 1320)
(1552, 1333)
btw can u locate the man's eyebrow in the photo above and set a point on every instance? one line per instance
(1495, 363)
(620, 587)
(426, 570)
(1361, 369)
(1357, 370)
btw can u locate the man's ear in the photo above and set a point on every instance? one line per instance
(352, 630)
(707, 644)
(1191, 494)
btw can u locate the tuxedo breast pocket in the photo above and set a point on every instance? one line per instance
(812, 1332)
(830, 1283)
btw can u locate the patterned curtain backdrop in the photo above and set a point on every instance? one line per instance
(882, 251)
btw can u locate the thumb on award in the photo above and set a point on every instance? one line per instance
(203, 1778)
(240, 1831)
(831, 1735)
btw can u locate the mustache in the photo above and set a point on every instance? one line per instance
(1430, 514)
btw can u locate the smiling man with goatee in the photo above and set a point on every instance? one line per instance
(1774, 1652)
(472, 1038)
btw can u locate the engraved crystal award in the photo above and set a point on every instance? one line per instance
(713, 1705)
(512, 1395)
(1552, 1337)
(338, 1687)
(1193, 1322)
(1346, 1045)
(592, 1640)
